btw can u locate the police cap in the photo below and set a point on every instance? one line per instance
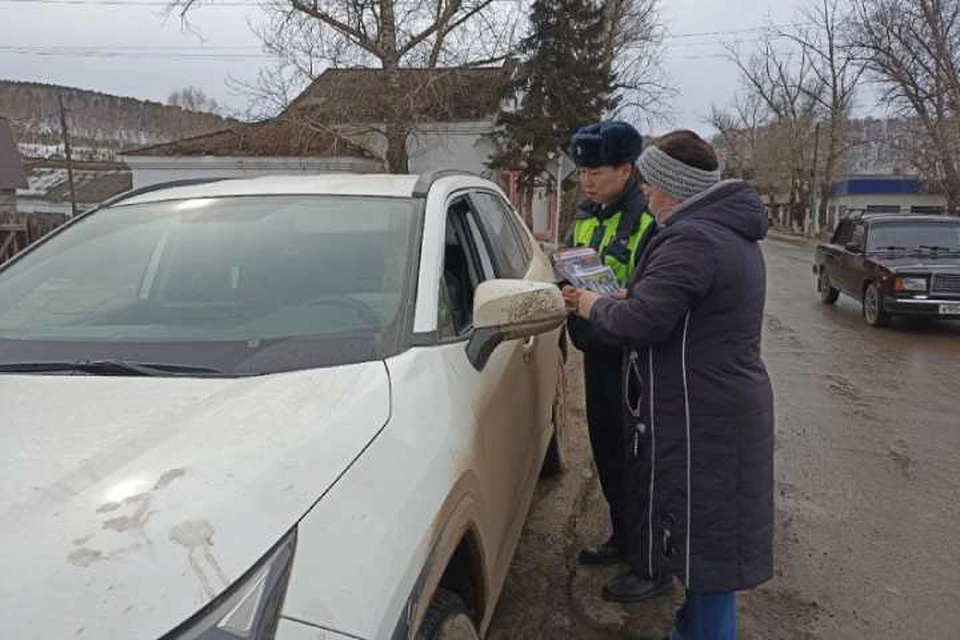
(606, 144)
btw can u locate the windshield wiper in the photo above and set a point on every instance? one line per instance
(891, 248)
(108, 368)
(939, 249)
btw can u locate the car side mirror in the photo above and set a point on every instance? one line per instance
(510, 310)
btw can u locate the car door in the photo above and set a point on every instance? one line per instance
(853, 261)
(512, 248)
(500, 397)
(523, 259)
(833, 254)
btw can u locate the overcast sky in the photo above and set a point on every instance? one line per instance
(111, 46)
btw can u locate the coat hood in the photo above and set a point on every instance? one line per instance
(732, 204)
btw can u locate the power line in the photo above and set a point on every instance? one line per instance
(261, 3)
(127, 3)
(722, 32)
(120, 48)
(148, 55)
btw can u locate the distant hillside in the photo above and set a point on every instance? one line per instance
(100, 124)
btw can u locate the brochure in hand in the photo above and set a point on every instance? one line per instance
(582, 268)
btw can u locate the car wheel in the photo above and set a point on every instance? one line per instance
(828, 295)
(873, 311)
(448, 619)
(555, 462)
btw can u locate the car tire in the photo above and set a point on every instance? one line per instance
(448, 618)
(828, 294)
(873, 311)
(555, 462)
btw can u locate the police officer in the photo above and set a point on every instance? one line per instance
(615, 221)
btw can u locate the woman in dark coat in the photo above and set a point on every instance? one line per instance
(691, 322)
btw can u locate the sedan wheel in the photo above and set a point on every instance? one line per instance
(873, 311)
(447, 619)
(828, 295)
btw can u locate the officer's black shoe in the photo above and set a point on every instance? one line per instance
(606, 554)
(632, 588)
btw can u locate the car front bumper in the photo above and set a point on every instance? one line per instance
(920, 307)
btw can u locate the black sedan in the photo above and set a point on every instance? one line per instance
(893, 264)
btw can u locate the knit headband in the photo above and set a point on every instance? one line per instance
(673, 176)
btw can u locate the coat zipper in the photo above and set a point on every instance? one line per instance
(653, 461)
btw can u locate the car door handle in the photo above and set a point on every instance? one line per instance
(529, 346)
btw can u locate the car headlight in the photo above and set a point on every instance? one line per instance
(250, 609)
(911, 284)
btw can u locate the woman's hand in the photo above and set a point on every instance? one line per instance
(580, 301)
(586, 302)
(571, 298)
(619, 294)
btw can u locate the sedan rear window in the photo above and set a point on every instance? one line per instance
(220, 282)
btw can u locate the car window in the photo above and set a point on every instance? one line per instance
(463, 271)
(857, 237)
(844, 233)
(248, 271)
(509, 248)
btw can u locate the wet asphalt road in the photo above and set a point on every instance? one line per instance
(868, 489)
(868, 463)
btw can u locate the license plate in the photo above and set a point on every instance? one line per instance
(950, 309)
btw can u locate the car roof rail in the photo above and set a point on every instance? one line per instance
(126, 195)
(426, 180)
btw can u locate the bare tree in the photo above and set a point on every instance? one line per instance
(786, 84)
(741, 130)
(633, 52)
(310, 35)
(912, 49)
(193, 99)
(837, 73)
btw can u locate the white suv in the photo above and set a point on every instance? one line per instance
(292, 407)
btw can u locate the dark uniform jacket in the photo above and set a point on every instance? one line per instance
(693, 322)
(603, 379)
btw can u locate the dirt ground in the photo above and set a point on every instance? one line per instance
(868, 474)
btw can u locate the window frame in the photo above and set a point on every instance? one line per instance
(479, 258)
(858, 236)
(841, 237)
(510, 221)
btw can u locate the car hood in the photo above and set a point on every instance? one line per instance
(930, 263)
(127, 504)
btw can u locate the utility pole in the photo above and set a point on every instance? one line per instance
(69, 156)
(814, 209)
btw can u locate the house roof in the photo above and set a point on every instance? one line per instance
(351, 97)
(93, 182)
(11, 166)
(362, 96)
(283, 136)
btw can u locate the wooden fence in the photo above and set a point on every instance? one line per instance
(18, 231)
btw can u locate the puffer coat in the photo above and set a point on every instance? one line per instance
(698, 393)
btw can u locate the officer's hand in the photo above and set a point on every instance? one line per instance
(619, 294)
(571, 298)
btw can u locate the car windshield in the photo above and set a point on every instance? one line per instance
(249, 284)
(932, 236)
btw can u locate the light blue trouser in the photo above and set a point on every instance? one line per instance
(706, 616)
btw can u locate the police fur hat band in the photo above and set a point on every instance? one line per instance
(674, 177)
(606, 144)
